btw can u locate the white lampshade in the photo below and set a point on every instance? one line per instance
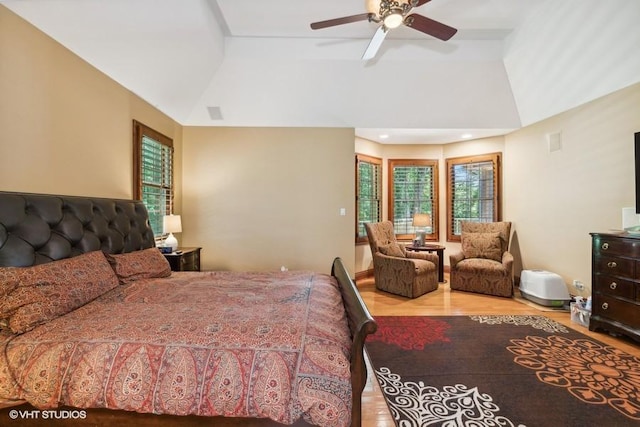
(421, 220)
(172, 224)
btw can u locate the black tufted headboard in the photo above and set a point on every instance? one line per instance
(38, 228)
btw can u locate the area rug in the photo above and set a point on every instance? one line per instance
(501, 371)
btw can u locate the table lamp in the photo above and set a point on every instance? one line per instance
(171, 224)
(420, 222)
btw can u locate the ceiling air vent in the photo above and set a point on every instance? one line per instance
(215, 113)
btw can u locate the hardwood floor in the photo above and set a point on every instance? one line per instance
(444, 302)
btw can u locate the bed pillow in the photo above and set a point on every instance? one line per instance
(482, 245)
(31, 296)
(144, 264)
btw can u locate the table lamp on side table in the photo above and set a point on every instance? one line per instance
(421, 221)
(171, 224)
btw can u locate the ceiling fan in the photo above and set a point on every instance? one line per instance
(391, 14)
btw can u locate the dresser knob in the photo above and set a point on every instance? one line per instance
(605, 246)
(613, 285)
(605, 306)
(612, 264)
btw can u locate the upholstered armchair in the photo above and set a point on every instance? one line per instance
(484, 265)
(397, 270)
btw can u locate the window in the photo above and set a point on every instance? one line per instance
(413, 188)
(368, 193)
(153, 173)
(473, 191)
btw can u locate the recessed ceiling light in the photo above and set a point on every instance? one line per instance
(384, 136)
(466, 135)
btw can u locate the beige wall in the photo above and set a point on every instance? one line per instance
(260, 198)
(65, 128)
(555, 199)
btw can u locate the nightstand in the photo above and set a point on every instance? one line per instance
(187, 260)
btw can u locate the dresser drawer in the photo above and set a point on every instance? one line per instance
(616, 287)
(615, 266)
(618, 310)
(604, 245)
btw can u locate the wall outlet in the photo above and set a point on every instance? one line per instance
(578, 285)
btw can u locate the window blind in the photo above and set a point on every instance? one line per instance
(153, 169)
(368, 193)
(473, 191)
(414, 190)
(157, 181)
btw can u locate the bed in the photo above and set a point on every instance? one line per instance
(95, 329)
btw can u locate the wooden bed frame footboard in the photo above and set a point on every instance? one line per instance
(361, 324)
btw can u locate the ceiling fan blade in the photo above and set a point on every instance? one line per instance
(421, 2)
(340, 21)
(429, 26)
(375, 43)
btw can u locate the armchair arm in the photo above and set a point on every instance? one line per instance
(507, 261)
(424, 267)
(405, 266)
(423, 255)
(455, 258)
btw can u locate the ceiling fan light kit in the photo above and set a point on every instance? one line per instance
(393, 20)
(391, 14)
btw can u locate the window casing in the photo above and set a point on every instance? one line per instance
(153, 173)
(413, 188)
(368, 193)
(473, 191)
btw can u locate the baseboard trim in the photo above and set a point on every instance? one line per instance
(364, 274)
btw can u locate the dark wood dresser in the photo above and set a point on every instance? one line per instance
(616, 284)
(184, 259)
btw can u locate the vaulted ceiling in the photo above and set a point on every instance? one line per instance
(258, 63)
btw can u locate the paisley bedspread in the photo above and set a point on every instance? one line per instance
(272, 345)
